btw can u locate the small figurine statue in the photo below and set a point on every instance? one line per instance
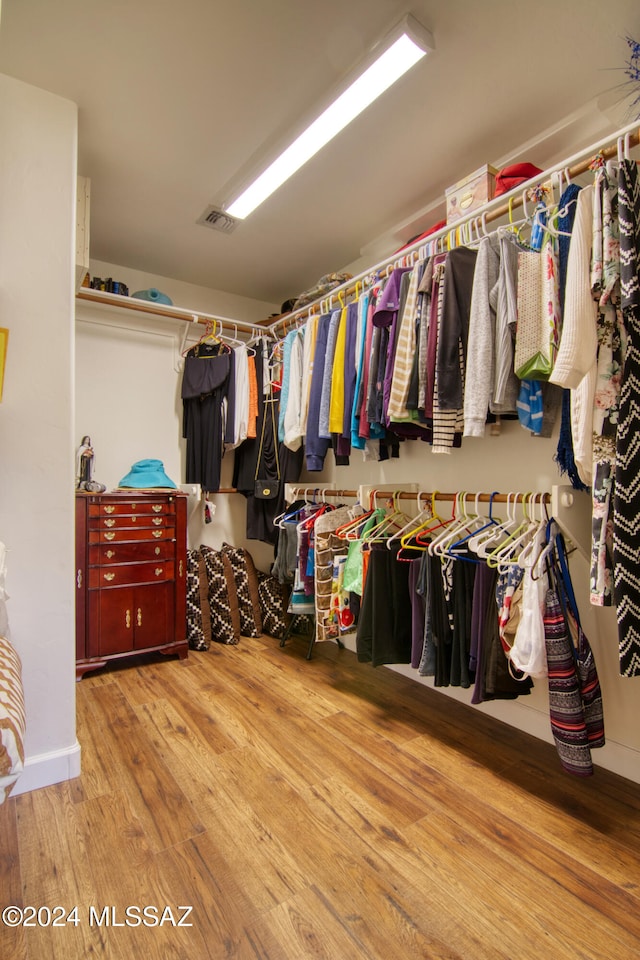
(84, 462)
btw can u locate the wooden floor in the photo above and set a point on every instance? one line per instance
(315, 809)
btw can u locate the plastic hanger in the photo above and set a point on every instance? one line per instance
(528, 544)
(424, 536)
(458, 548)
(459, 525)
(412, 524)
(487, 523)
(506, 554)
(391, 521)
(483, 542)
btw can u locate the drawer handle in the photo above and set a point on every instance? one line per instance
(109, 509)
(157, 507)
(109, 523)
(127, 619)
(156, 520)
(109, 577)
(109, 554)
(156, 533)
(133, 506)
(157, 551)
(139, 617)
(109, 536)
(159, 570)
(133, 519)
(79, 579)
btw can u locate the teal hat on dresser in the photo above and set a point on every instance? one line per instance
(147, 473)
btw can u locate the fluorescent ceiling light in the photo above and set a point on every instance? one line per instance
(407, 48)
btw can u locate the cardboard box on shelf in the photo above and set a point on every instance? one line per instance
(470, 193)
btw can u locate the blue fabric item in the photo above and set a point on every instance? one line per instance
(538, 227)
(286, 373)
(358, 442)
(315, 446)
(147, 473)
(350, 374)
(325, 397)
(153, 296)
(530, 406)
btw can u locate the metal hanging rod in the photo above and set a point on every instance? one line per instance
(493, 210)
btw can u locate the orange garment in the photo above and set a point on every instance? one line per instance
(252, 432)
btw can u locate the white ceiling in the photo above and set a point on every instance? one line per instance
(177, 100)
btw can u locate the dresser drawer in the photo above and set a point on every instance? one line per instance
(109, 553)
(131, 534)
(120, 508)
(117, 523)
(129, 573)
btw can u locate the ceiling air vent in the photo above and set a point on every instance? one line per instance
(217, 220)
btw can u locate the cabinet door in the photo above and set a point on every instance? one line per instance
(153, 615)
(112, 620)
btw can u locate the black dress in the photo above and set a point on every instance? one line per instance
(205, 386)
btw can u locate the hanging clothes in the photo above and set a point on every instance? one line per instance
(278, 470)
(205, 387)
(384, 627)
(627, 488)
(316, 446)
(605, 288)
(327, 548)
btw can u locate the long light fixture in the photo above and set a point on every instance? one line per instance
(408, 43)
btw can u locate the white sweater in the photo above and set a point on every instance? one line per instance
(578, 342)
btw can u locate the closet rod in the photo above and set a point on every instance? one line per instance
(426, 495)
(322, 491)
(170, 312)
(574, 165)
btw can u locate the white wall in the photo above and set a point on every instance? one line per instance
(37, 245)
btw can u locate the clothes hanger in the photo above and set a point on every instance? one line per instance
(391, 520)
(412, 524)
(506, 554)
(490, 523)
(209, 336)
(424, 536)
(525, 553)
(456, 547)
(482, 543)
(461, 518)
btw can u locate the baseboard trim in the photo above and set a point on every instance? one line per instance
(45, 769)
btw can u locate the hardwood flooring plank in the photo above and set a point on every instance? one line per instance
(578, 880)
(157, 799)
(56, 872)
(12, 940)
(600, 845)
(258, 863)
(341, 866)
(319, 809)
(97, 771)
(540, 916)
(315, 752)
